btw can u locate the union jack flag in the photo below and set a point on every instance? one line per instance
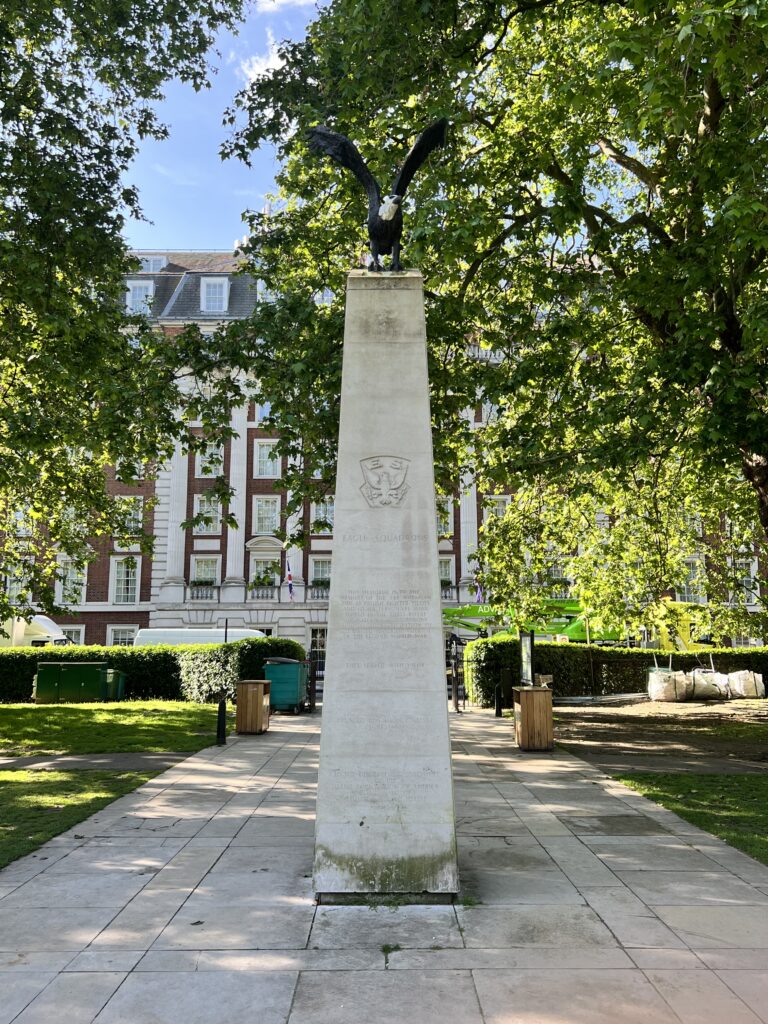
(289, 579)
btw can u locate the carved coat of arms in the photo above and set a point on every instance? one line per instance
(385, 484)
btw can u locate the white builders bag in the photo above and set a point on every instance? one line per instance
(709, 685)
(664, 684)
(746, 684)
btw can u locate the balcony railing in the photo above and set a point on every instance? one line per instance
(449, 592)
(203, 592)
(317, 593)
(263, 593)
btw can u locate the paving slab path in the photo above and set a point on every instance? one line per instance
(190, 901)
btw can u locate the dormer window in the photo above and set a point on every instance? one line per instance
(153, 264)
(138, 298)
(214, 294)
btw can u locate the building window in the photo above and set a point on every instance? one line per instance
(746, 574)
(129, 472)
(71, 582)
(497, 506)
(263, 410)
(444, 518)
(690, 592)
(139, 296)
(266, 515)
(75, 633)
(322, 516)
(205, 571)
(559, 582)
(132, 514)
(209, 461)
(153, 264)
(126, 580)
(207, 505)
(214, 294)
(121, 636)
(321, 572)
(446, 571)
(22, 523)
(266, 463)
(265, 572)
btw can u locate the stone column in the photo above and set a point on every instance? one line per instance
(468, 518)
(385, 819)
(294, 557)
(233, 584)
(172, 586)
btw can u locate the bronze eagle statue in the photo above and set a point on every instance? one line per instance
(385, 216)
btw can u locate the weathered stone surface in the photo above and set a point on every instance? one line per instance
(385, 805)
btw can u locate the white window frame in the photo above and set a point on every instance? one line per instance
(263, 409)
(314, 564)
(145, 305)
(214, 510)
(255, 560)
(120, 627)
(203, 457)
(258, 444)
(153, 264)
(687, 594)
(274, 501)
(444, 514)
(497, 506)
(320, 510)
(64, 563)
(113, 579)
(451, 564)
(753, 594)
(75, 633)
(193, 572)
(219, 279)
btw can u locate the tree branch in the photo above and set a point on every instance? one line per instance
(629, 163)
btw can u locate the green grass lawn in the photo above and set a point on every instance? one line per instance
(152, 725)
(732, 807)
(37, 805)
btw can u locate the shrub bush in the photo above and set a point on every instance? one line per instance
(193, 672)
(586, 669)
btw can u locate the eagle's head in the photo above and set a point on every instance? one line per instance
(389, 207)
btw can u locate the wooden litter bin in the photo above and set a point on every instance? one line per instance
(252, 706)
(533, 717)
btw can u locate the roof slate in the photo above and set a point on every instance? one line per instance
(177, 286)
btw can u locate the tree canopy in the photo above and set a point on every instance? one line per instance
(82, 385)
(598, 221)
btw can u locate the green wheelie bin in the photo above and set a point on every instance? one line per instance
(288, 680)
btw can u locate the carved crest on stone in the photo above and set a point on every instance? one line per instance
(385, 485)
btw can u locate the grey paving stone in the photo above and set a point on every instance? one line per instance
(143, 859)
(642, 931)
(75, 998)
(562, 996)
(666, 959)
(494, 959)
(17, 991)
(696, 996)
(615, 825)
(290, 960)
(751, 986)
(107, 960)
(740, 864)
(35, 930)
(42, 962)
(139, 924)
(617, 901)
(487, 927)
(169, 998)
(205, 924)
(652, 853)
(503, 887)
(733, 959)
(360, 927)
(476, 825)
(577, 861)
(106, 889)
(718, 927)
(386, 997)
(668, 888)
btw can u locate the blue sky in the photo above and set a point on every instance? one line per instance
(193, 198)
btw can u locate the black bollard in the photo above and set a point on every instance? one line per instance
(221, 723)
(497, 699)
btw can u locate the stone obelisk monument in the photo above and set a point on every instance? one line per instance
(385, 819)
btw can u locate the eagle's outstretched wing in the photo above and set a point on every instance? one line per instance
(344, 152)
(431, 138)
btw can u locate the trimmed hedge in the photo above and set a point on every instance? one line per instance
(587, 669)
(196, 672)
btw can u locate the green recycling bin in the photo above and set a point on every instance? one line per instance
(77, 682)
(288, 680)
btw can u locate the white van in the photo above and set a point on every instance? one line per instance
(40, 631)
(191, 635)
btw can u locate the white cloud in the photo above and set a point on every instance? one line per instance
(177, 177)
(260, 63)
